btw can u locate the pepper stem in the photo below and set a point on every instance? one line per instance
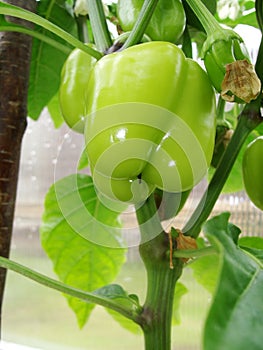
(207, 20)
(99, 25)
(141, 23)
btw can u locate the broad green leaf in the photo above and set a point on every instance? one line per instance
(180, 291)
(47, 61)
(72, 212)
(252, 242)
(54, 111)
(253, 245)
(236, 316)
(206, 271)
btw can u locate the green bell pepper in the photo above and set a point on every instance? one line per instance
(252, 168)
(167, 22)
(75, 75)
(150, 122)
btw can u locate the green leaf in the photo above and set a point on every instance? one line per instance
(235, 317)
(206, 271)
(47, 61)
(252, 242)
(72, 212)
(54, 111)
(253, 245)
(117, 293)
(232, 13)
(125, 322)
(180, 291)
(248, 19)
(83, 161)
(120, 296)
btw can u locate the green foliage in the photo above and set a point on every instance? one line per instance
(253, 245)
(80, 262)
(233, 321)
(54, 111)
(47, 61)
(83, 161)
(180, 291)
(232, 13)
(206, 269)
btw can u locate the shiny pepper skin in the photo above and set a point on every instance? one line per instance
(253, 171)
(75, 76)
(150, 122)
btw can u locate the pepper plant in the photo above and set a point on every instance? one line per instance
(154, 122)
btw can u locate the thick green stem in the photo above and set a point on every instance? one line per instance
(156, 317)
(141, 23)
(99, 25)
(158, 307)
(249, 118)
(207, 20)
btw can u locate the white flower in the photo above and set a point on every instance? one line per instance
(81, 8)
(228, 9)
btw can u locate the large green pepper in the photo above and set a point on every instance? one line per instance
(74, 81)
(151, 122)
(253, 171)
(167, 22)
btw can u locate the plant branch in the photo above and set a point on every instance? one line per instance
(37, 35)
(141, 23)
(11, 10)
(99, 25)
(194, 253)
(64, 288)
(249, 118)
(207, 20)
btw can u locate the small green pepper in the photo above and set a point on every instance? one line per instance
(228, 65)
(167, 22)
(226, 59)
